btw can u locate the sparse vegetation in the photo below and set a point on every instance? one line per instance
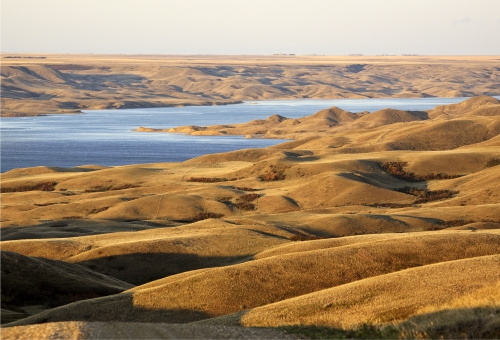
(397, 170)
(455, 223)
(493, 162)
(434, 227)
(305, 237)
(274, 175)
(101, 188)
(390, 205)
(42, 186)
(245, 189)
(98, 210)
(210, 179)
(244, 206)
(202, 216)
(443, 224)
(249, 197)
(225, 199)
(45, 204)
(243, 203)
(425, 195)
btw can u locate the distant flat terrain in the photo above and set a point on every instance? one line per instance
(69, 83)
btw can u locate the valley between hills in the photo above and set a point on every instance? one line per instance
(381, 225)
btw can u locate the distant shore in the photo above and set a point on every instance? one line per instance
(28, 114)
(70, 83)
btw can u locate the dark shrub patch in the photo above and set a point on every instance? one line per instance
(493, 162)
(434, 227)
(98, 210)
(397, 170)
(304, 237)
(455, 223)
(208, 179)
(390, 205)
(244, 206)
(202, 216)
(42, 186)
(443, 224)
(124, 186)
(225, 199)
(44, 204)
(245, 189)
(249, 197)
(274, 175)
(101, 188)
(425, 195)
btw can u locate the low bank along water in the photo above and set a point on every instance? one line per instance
(105, 137)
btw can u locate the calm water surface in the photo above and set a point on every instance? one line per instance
(104, 136)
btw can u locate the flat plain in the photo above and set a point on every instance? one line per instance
(380, 225)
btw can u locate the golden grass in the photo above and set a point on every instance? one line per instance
(143, 256)
(226, 290)
(473, 315)
(383, 299)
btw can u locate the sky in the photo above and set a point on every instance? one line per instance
(258, 27)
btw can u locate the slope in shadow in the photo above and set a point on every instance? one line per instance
(140, 268)
(466, 323)
(131, 312)
(29, 281)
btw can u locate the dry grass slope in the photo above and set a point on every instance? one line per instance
(226, 290)
(385, 299)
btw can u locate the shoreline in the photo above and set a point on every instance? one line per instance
(82, 111)
(201, 131)
(62, 83)
(252, 102)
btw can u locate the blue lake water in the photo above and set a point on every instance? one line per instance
(105, 137)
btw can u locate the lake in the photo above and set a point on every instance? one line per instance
(105, 137)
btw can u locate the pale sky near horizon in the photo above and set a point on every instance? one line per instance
(330, 27)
